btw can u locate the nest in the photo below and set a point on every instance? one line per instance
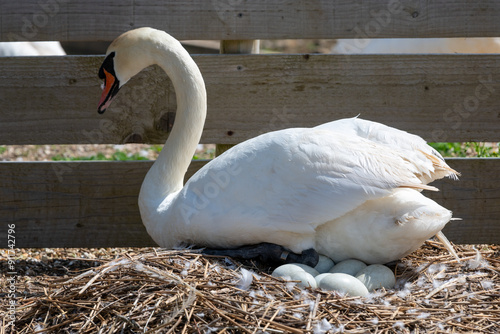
(182, 291)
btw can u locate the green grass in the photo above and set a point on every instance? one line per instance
(156, 148)
(484, 151)
(3, 149)
(116, 156)
(450, 149)
(469, 149)
(208, 154)
(124, 156)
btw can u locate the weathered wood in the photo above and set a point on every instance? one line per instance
(94, 204)
(75, 204)
(475, 198)
(236, 47)
(237, 20)
(52, 100)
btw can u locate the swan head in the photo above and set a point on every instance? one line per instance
(126, 56)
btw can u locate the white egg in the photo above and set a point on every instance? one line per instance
(295, 266)
(296, 272)
(349, 267)
(320, 277)
(324, 264)
(306, 279)
(286, 269)
(307, 269)
(377, 276)
(343, 283)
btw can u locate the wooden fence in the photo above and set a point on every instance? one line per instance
(52, 100)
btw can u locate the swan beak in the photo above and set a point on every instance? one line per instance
(110, 89)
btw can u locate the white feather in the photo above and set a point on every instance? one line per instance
(405, 291)
(477, 261)
(338, 329)
(399, 325)
(423, 315)
(246, 279)
(40, 328)
(487, 284)
(322, 327)
(290, 285)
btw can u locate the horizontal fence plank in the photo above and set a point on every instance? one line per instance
(475, 198)
(52, 100)
(226, 19)
(94, 204)
(76, 204)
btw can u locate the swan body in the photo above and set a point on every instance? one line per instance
(348, 188)
(417, 45)
(10, 49)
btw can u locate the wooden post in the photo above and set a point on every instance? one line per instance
(236, 47)
(240, 46)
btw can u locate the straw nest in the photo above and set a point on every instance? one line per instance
(159, 291)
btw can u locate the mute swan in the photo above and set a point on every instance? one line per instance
(346, 189)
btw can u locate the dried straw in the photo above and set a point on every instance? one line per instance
(160, 291)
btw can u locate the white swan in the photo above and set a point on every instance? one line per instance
(349, 189)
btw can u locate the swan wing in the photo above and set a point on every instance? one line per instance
(426, 162)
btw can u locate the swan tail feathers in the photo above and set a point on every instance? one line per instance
(447, 244)
(441, 169)
(419, 187)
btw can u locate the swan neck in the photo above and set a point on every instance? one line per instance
(167, 173)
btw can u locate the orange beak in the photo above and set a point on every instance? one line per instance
(111, 88)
